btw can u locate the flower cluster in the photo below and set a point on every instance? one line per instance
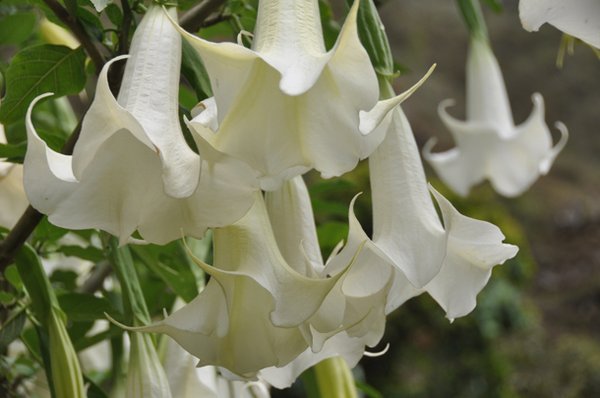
(272, 306)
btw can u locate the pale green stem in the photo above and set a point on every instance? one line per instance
(334, 379)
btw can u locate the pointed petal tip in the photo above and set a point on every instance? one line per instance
(34, 103)
(370, 120)
(445, 104)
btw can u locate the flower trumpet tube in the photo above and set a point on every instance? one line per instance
(451, 261)
(489, 145)
(287, 105)
(131, 168)
(579, 18)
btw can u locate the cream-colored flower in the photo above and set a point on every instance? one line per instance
(452, 260)
(131, 168)
(355, 305)
(248, 315)
(287, 105)
(579, 18)
(488, 144)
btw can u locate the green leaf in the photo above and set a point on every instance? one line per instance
(11, 329)
(6, 298)
(46, 232)
(89, 253)
(495, 5)
(193, 70)
(36, 283)
(14, 152)
(12, 276)
(133, 296)
(16, 28)
(172, 264)
(37, 70)
(368, 390)
(113, 12)
(81, 307)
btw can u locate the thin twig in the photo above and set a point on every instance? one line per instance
(78, 30)
(115, 74)
(195, 17)
(96, 279)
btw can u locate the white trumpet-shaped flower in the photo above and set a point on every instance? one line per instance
(356, 303)
(352, 315)
(287, 105)
(131, 168)
(453, 260)
(248, 316)
(579, 18)
(488, 144)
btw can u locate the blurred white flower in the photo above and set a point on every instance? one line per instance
(489, 145)
(287, 105)
(13, 201)
(579, 18)
(131, 168)
(453, 260)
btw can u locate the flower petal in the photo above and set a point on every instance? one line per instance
(150, 92)
(579, 18)
(351, 349)
(232, 332)
(474, 247)
(405, 224)
(312, 100)
(248, 249)
(292, 219)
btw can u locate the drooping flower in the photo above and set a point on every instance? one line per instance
(489, 145)
(352, 315)
(131, 168)
(453, 260)
(287, 105)
(579, 18)
(248, 315)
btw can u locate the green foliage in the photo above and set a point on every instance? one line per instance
(16, 28)
(37, 70)
(195, 73)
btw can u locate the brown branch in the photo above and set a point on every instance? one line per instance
(78, 30)
(96, 279)
(115, 74)
(194, 18)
